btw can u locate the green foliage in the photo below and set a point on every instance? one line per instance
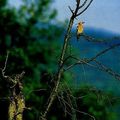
(84, 103)
(3, 3)
(96, 103)
(34, 47)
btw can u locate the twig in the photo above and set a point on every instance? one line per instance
(6, 61)
(80, 62)
(85, 8)
(71, 10)
(84, 113)
(95, 40)
(83, 4)
(5, 65)
(91, 39)
(87, 60)
(104, 51)
(100, 67)
(107, 70)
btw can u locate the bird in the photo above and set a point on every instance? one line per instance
(80, 29)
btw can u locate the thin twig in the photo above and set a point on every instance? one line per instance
(101, 66)
(83, 4)
(71, 10)
(6, 61)
(107, 70)
(104, 51)
(5, 64)
(85, 8)
(84, 113)
(87, 60)
(95, 40)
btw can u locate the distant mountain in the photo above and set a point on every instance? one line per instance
(111, 59)
(108, 36)
(102, 33)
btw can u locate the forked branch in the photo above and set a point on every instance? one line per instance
(62, 57)
(99, 66)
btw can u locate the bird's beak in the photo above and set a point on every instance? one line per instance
(83, 22)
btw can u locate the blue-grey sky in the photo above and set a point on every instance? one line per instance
(15, 3)
(103, 14)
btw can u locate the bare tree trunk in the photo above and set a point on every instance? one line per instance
(16, 98)
(53, 95)
(17, 101)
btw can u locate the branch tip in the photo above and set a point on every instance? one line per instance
(71, 10)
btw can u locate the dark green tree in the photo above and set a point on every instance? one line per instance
(33, 43)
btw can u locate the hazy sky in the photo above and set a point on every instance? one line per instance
(101, 14)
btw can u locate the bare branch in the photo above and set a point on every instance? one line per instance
(92, 39)
(79, 62)
(87, 60)
(6, 61)
(71, 10)
(81, 112)
(100, 67)
(77, 1)
(104, 51)
(95, 40)
(85, 113)
(35, 90)
(62, 57)
(84, 8)
(83, 4)
(107, 70)
(5, 65)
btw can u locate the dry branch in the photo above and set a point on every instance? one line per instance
(16, 98)
(88, 60)
(99, 65)
(62, 57)
(84, 8)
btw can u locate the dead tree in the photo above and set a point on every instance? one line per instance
(16, 97)
(80, 9)
(75, 13)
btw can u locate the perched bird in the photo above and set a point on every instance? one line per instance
(80, 29)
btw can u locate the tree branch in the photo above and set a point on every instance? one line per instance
(85, 8)
(95, 40)
(88, 60)
(62, 57)
(107, 70)
(5, 65)
(71, 10)
(104, 51)
(83, 4)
